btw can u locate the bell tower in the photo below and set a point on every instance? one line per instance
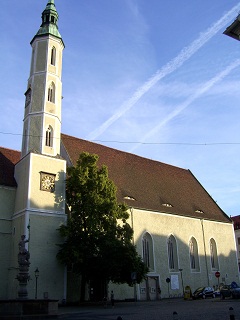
(41, 172)
(42, 116)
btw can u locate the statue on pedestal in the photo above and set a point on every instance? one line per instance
(24, 263)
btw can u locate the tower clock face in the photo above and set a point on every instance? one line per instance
(47, 182)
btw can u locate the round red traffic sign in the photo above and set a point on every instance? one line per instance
(217, 274)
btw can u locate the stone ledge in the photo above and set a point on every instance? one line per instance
(28, 307)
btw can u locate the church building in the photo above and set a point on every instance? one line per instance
(183, 236)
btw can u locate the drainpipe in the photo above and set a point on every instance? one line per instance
(205, 253)
(135, 287)
(131, 215)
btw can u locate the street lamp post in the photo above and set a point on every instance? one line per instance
(36, 278)
(181, 270)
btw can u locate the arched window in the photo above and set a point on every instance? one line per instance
(53, 56)
(172, 254)
(49, 137)
(147, 245)
(193, 252)
(51, 93)
(214, 256)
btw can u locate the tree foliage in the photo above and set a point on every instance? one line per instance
(98, 238)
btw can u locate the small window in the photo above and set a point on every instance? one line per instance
(51, 93)
(49, 137)
(53, 56)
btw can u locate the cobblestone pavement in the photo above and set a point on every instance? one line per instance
(209, 309)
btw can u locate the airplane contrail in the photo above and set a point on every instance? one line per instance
(201, 90)
(171, 66)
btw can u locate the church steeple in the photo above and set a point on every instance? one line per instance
(49, 21)
(41, 172)
(42, 118)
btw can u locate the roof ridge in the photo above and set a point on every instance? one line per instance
(125, 152)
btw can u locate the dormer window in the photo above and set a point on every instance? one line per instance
(199, 211)
(129, 198)
(168, 205)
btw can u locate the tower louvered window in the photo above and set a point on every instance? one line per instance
(51, 93)
(53, 56)
(49, 137)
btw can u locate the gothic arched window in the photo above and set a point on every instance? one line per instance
(193, 252)
(147, 246)
(213, 253)
(49, 137)
(172, 253)
(53, 56)
(51, 93)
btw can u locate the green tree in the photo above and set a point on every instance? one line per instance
(98, 239)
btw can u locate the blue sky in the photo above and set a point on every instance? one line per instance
(155, 78)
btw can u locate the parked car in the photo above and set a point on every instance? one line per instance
(232, 290)
(217, 293)
(203, 292)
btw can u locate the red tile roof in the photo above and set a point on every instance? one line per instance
(154, 185)
(236, 221)
(8, 159)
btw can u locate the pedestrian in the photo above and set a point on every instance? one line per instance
(112, 299)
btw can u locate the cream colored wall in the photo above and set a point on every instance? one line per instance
(18, 229)
(52, 114)
(30, 196)
(43, 248)
(21, 175)
(41, 56)
(47, 201)
(161, 226)
(35, 138)
(58, 44)
(38, 91)
(7, 199)
(45, 212)
(237, 236)
(43, 239)
(41, 112)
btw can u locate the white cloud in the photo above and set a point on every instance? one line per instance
(170, 67)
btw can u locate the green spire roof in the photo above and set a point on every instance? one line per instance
(49, 21)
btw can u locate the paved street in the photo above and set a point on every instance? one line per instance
(209, 309)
